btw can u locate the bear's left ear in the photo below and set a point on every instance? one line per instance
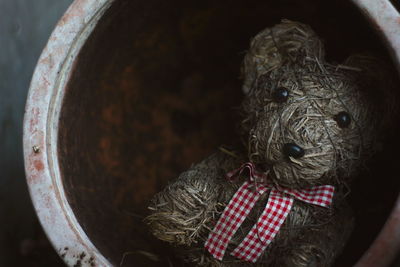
(275, 46)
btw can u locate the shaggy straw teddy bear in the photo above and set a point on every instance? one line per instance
(309, 126)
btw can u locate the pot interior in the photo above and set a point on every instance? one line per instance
(155, 88)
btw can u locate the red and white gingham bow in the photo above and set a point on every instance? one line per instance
(264, 231)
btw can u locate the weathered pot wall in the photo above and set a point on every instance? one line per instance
(386, 21)
(127, 94)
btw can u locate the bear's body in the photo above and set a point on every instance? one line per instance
(310, 236)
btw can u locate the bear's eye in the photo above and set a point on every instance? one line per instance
(343, 119)
(280, 95)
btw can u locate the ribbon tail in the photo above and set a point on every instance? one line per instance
(266, 228)
(318, 195)
(232, 217)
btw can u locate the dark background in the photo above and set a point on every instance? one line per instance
(25, 26)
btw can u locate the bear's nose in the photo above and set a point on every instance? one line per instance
(293, 150)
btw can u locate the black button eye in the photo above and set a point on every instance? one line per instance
(343, 119)
(280, 95)
(293, 150)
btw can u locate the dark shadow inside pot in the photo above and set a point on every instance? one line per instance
(155, 89)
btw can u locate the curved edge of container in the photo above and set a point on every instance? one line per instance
(39, 140)
(41, 166)
(386, 21)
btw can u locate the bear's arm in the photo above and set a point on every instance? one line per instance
(184, 211)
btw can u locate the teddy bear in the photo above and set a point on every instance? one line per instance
(308, 127)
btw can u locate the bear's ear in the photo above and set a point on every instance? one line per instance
(273, 47)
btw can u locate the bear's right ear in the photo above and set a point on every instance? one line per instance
(273, 47)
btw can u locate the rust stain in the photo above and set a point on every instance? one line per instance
(38, 164)
(35, 163)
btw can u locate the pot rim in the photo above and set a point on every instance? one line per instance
(40, 128)
(40, 139)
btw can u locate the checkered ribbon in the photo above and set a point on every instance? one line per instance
(279, 204)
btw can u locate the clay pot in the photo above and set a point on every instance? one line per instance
(127, 94)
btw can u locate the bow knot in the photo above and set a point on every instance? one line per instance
(255, 177)
(279, 204)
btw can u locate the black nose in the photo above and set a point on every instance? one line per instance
(293, 150)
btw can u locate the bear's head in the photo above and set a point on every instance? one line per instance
(309, 122)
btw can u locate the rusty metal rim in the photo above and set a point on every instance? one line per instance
(41, 120)
(40, 133)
